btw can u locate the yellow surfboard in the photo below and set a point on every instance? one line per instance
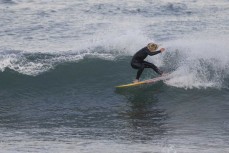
(131, 84)
(163, 77)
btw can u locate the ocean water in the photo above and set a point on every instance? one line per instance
(61, 60)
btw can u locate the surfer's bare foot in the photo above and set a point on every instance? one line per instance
(136, 81)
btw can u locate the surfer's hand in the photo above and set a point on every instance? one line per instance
(162, 49)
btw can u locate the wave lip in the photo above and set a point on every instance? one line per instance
(33, 63)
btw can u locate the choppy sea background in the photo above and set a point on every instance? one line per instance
(61, 60)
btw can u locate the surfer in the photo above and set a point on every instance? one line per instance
(138, 62)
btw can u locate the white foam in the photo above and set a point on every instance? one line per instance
(204, 62)
(17, 61)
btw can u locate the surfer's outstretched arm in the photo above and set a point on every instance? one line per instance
(156, 52)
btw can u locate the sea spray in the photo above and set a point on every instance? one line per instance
(200, 63)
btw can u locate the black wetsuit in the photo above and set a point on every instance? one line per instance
(138, 62)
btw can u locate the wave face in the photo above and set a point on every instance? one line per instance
(61, 60)
(193, 63)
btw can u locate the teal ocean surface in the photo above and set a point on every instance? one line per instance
(60, 63)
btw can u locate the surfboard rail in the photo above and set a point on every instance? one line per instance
(163, 77)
